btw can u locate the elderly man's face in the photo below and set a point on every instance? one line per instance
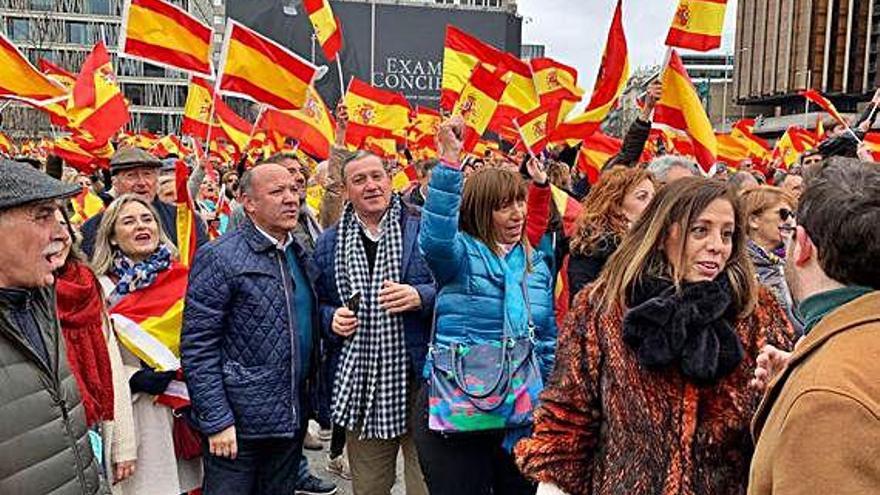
(32, 245)
(143, 181)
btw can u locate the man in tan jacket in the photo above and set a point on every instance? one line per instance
(817, 430)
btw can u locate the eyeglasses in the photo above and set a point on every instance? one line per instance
(785, 214)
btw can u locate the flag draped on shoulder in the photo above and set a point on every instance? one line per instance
(96, 105)
(254, 67)
(21, 80)
(165, 34)
(610, 83)
(312, 125)
(461, 54)
(681, 109)
(327, 27)
(697, 24)
(374, 112)
(477, 104)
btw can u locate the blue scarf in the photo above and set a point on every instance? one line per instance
(134, 276)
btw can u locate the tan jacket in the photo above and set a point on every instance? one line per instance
(817, 430)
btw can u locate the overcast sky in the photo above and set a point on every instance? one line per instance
(574, 31)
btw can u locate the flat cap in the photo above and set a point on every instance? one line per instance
(21, 184)
(126, 158)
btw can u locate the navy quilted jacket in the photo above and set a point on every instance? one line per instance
(415, 272)
(240, 338)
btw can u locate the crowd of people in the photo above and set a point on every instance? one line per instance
(688, 332)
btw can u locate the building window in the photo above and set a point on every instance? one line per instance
(100, 7)
(19, 29)
(77, 33)
(219, 20)
(151, 70)
(134, 93)
(41, 4)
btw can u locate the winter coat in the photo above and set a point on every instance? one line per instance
(607, 425)
(584, 269)
(770, 270)
(471, 278)
(414, 271)
(44, 443)
(240, 341)
(167, 216)
(818, 428)
(633, 145)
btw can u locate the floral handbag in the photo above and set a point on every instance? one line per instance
(482, 387)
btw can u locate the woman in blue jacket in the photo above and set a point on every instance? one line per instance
(492, 286)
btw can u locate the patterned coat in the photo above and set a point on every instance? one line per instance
(607, 426)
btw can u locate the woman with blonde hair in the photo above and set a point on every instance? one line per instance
(650, 393)
(138, 270)
(769, 212)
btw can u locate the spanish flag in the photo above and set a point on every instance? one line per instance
(76, 154)
(817, 98)
(312, 125)
(535, 128)
(462, 53)
(374, 112)
(477, 104)
(96, 105)
(520, 96)
(423, 131)
(327, 27)
(731, 150)
(58, 74)
(555, 81)
(197, 110)
(6, 146)
(164, 34)
(385, 148)
(595, 152)
(793, 144)
(404, 179)
(872, 142)
(680, 108)
(235, 129)
(186, 216)
(697, 24)
(86, 204)
(743, 130)
(168, 145)
(255, 67)
(19, 79)
(610, 83)
(148, 321)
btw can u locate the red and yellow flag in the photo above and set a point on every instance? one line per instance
(382, 147)
(817, 98)
(680, 108)
(423, 131)
(536, 126)
(404, 179)
(86, 204)
(168, 145)
(610, 83)
(257, 68)
(312, 125)
(235, 129)
(520, 96)
(164, 34)
(872, 142)
(793, 144)
(595, 151)
(186, 215)
(96, 105)
(327, 27)
(731, 150)
(697, 24)
(374, 112)
(58, 74)
(6, 146)
(81, 155)
(555, 81)
(461, 54)
(197, 110)
(21, 80)
(477, 104)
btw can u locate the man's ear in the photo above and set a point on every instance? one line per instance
(804, 249)
(753, 222)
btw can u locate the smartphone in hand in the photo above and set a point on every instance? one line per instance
(353, 303)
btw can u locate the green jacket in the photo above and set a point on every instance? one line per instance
(44, 444)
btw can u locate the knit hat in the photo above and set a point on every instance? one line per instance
(21, 184)
(128, 158)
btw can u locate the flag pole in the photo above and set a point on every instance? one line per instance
(342, 78)
(256, 122)
(873, 111)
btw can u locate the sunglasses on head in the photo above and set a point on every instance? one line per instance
(785, 214)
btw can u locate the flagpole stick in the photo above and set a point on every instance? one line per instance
(342, 78)
(210, 126)
(256, 123)
(853, 133)
(873, 111)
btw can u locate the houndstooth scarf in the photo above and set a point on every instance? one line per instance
(370, 390)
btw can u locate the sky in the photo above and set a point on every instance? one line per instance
(574, 31)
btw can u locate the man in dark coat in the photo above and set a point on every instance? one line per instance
(44, 444)
(136, 171)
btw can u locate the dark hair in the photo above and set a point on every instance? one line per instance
(840, 210)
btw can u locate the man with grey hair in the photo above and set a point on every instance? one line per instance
(44, 443)
(669, 168)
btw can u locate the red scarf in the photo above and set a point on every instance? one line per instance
(80, 312)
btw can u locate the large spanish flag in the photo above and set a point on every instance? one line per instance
(164, 34)
(197, 110)
(535, 127)
(477, 103)
(817, 98)
(595, 151)
(96, 105)
(327, 27)
(555, 81)
(697, 24)
(520, 96)
(255, 67)
(680, 108)
(21, 80)
(312, 125)
(374, 112)
(461, 54)
(610, 83)
(148, 321)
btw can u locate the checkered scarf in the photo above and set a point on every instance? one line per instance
(370, 391)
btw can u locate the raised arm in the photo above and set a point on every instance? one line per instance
(334, 197)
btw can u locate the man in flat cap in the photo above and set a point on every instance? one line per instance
(44, 444)
(136, 171)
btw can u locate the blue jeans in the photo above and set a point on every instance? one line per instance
(303, 472)
(262, 467)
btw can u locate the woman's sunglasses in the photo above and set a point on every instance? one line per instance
(785, 214)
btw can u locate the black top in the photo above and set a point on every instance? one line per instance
(370, 249)
(584, 269)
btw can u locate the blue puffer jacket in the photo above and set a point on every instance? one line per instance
(472, 300)
(414, 272)
(239, 340)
